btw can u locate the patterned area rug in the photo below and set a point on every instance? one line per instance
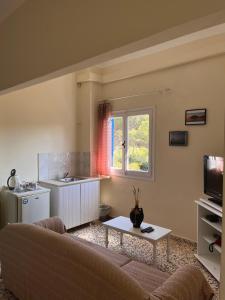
(181, 253)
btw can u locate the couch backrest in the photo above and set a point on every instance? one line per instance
(41, 264)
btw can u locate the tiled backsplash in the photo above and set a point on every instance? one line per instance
(82, 163)
(55, 165)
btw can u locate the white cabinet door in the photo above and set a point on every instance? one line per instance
(34, 208)
(90, 195)
(65, 203)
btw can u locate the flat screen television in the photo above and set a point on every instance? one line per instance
(213, 178)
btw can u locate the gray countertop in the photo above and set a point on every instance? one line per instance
(58, 183)
(39, 190)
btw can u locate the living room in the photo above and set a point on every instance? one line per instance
(60, 116)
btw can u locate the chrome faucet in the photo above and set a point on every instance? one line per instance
(65, 175)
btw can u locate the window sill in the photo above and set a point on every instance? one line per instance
(144, 178)
(104, 177)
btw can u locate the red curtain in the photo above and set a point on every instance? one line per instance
(104, 113)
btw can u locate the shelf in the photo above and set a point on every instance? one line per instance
(210, 240)
(216, 226)
(212, 204)
(206, 204)
(211, 263)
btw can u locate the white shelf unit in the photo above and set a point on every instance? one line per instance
(206, 231)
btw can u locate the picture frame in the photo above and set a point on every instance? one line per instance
(178, 138)
(195, 116)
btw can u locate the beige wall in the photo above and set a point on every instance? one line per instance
(83, 117)
(36, 119)
(169, 200)
(42, 36)
(86, 131)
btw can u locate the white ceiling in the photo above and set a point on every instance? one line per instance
(7, 7)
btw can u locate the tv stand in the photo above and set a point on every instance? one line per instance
(206, 230)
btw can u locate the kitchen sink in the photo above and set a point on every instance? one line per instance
(71, 179)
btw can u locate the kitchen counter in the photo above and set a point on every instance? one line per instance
(39, 190)
(58, 183)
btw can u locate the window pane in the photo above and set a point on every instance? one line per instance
(138, 143)
(117, 140)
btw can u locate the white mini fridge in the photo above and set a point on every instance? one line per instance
(25, 207)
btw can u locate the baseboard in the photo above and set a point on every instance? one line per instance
(184, 238)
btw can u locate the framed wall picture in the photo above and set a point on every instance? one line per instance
(178, 138)
(195, 116)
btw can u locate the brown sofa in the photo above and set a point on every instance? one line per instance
(40, 264)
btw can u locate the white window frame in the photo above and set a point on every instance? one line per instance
(136, 174)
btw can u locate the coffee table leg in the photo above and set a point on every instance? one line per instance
(168, 248)
(121, 239)
(154, 253)
(106, 237)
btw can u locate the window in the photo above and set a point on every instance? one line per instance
(131, 151)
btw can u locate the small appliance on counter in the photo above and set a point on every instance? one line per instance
(24, 206)
(13, 182)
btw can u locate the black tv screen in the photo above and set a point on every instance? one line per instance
(213, 177)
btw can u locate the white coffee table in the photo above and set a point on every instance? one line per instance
(124, 225)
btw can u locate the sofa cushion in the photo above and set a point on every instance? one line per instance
(187, 283)
(115, 258)
(148, 277)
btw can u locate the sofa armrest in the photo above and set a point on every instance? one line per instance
(187, 283)
(54, 224)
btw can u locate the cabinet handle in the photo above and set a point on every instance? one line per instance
(36, 198)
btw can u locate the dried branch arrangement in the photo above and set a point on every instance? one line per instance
(136, 192)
